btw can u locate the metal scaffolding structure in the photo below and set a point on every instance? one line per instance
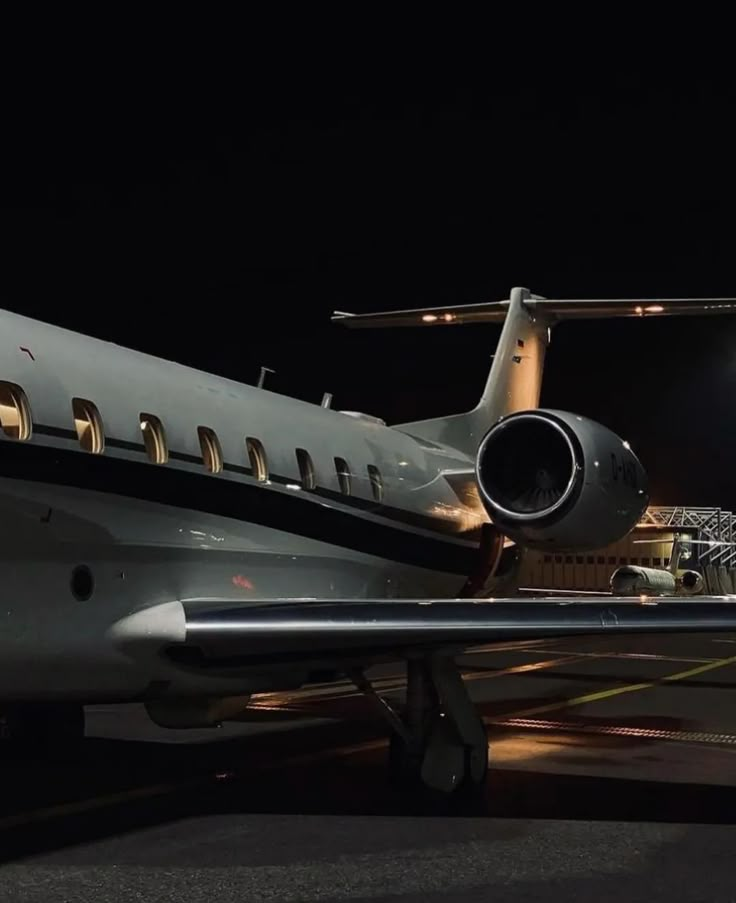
(709, 524)
(709, 547)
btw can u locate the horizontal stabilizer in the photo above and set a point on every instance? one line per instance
(238, 634)
(553, 310)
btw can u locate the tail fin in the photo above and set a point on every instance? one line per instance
(515, 379)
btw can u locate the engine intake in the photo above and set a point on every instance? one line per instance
(691, 582)
(528, 467)
(555, 480)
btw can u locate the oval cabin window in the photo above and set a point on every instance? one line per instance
(211, 451)
(154, 438)
(257, 458)
(306, 469)
(374, 474)
(15, 412)
(343, 475)
(88, 424)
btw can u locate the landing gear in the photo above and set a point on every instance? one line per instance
(34, 729)
(439, 741)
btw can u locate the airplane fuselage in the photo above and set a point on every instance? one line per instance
(127, 481)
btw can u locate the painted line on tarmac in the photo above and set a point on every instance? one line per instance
(99, 802)
(617, 691)
(276, 702)
(637, 656)
(615, 730)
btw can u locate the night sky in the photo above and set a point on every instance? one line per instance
(263, 207)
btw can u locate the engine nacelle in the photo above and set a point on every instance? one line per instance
(631, 580)
(553, 480)
(690, 582)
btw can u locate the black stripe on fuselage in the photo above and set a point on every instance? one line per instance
(244, 500)
(400, 515)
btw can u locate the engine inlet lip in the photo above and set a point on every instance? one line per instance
(571, 483)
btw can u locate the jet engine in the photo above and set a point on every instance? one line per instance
(552, 480)
(690, 582)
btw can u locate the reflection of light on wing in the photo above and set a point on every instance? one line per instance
(463, 517)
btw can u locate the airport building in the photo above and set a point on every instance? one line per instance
(648, 545)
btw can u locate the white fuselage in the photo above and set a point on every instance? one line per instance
(148, 533)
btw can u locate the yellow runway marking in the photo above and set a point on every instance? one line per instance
(99, 802)
(346, 690)
(617, 691)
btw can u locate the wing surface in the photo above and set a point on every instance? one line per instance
(217, 633)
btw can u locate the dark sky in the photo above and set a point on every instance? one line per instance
(220, 225)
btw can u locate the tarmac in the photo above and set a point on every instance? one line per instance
(613, 776)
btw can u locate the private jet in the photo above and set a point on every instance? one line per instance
(177, 539)
(673, 580)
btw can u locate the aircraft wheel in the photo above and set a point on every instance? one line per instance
(444, 766)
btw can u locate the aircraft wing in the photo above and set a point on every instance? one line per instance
(207, 633)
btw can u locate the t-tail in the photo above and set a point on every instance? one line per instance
(548, 479)
(515, 379)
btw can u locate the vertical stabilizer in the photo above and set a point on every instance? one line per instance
(514, 382)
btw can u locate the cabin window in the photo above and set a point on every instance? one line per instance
(343, 475)
(15, 412)
(88, 424)
(258, 459)
(306, 469)
(211, 450)
(154, 438)
(374, 474)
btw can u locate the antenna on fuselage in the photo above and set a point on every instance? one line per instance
(262, 377)
(327, 400)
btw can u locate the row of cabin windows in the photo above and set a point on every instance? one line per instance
(16, 422)
(601, 559)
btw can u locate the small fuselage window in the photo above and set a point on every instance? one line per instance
(15, 412)
(343, 475)
(154, 438)
(257, 458)
(306, 469)
(88, 424)
(211, 450)
(374, 475)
